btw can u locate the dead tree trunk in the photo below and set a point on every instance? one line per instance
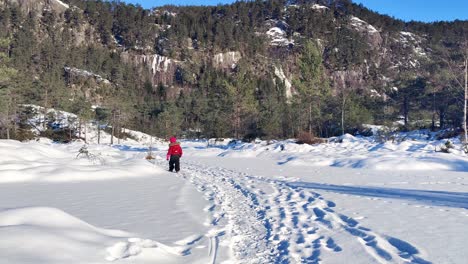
(466, 101)
(113, 127)
(7, 123)
(79, 128)
(343, 114)
(98, 133)
(119, 128)
(46, 102)
(85, 137)
(15, 117)
(310, 118)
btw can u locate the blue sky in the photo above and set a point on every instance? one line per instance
(419, 10)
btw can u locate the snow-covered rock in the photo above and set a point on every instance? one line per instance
(278, 37)
(366, 29)
(363, 25)
(319, 7)
(413, 40)
(85, 73)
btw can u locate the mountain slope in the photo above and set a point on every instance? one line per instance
(179, 65)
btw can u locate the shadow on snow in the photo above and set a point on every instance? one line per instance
(130, 148)
(439, 198)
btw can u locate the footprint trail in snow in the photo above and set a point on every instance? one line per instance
(267, 221)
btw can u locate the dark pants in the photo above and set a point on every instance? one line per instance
(174, 161)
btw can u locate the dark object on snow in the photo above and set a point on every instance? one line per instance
(174, 162)
(174, 154)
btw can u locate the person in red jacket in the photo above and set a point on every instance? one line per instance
(174, 154)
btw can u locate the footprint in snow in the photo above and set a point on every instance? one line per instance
(190, 240)
(332, 245)
(406, 250)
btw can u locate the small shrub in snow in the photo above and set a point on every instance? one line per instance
(308, 138)
(213, 142)
(84, 153)
(385, 134)
(465, 148)
(64, 135)
(22, 134)
(365, 132)
(250, 137)
(449, 133)
(150, 156)
(446, 148)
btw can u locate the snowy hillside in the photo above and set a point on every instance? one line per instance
(263, 202)
(413, 152)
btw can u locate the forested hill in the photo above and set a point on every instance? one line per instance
(272, 69)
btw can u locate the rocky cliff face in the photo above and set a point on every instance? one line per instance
(173, 61)
(227, 60)
(38, 6)
(161, 69)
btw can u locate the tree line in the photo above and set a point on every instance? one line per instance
(246, 101)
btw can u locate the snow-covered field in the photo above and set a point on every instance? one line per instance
(357, 201)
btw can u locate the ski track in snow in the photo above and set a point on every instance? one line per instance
(268, 221)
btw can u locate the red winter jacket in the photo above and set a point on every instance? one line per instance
(174, 149)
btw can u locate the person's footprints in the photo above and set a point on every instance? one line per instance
(281, 213)
(406, 250)
(283, 247)
(209, 208)
(348, 220)
(209, 196)
(302, 195)
(355, 232)
(295, 219)
(319, 213)
(312, 231)
(215, 220)
(369, 238)
(315, 256)
(332, 245)
(331, 204)
(190, 240)
(300, 239)
(381, 252)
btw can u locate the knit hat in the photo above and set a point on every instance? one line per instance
(172, 139)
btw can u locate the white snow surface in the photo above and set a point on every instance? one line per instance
(261, 202)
